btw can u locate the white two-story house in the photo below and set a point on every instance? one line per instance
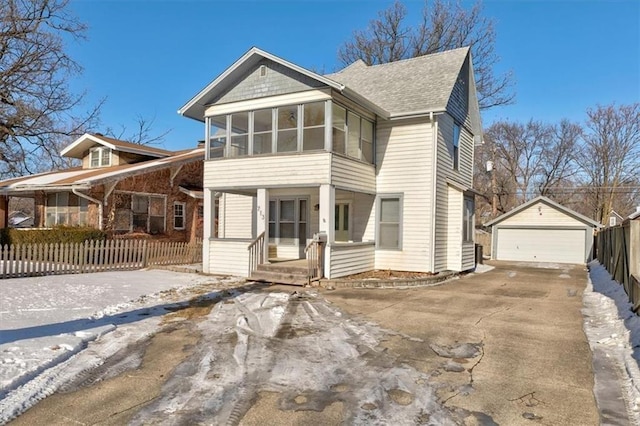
(367, 168)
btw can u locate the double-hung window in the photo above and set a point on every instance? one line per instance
(178, 215)
(389, 223)
(100, 157)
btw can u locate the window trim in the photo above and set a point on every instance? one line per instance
(149, 195)
(100, 150)
(468, 222)
(457, 129)
(183, 216)
(400, 198)
(83, 208)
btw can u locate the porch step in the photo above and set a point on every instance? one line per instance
(280, 274)
(280, 277)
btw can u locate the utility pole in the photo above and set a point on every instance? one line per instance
(494, 183)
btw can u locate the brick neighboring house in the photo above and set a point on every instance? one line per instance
(121, 187)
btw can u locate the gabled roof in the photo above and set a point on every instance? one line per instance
(635, 215)
(195, 108)
(407, 87)
(550, 203)
(614, 213)
(78, 177)
(77, 148)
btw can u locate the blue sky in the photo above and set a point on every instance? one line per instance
(150, 57)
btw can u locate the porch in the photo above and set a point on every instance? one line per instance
(290, 235)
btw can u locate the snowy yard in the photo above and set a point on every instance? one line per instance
(251, 345)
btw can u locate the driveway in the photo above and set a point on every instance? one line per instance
(505, 346)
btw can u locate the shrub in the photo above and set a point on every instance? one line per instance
(59, 234)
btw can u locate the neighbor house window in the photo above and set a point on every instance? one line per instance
(456, 145)
(148, 213)
(178, 215)
(468, 226)
(100, 157)
(612, 221)
(389, 222)
(217, 134)
(65, 208)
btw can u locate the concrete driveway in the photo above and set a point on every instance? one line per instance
(503, 347)
(534, 364)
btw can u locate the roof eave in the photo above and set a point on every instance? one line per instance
(549, 202)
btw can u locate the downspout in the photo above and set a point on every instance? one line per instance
(434, 190)
(93, 200)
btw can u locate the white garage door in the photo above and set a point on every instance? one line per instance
(542, 245)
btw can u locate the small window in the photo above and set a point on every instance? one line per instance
(100, 157)
(178, 215)
(467, 224)
(389, 222)
(612, 221)
(456, 145)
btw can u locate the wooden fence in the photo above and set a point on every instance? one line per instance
(618, 250)
(26, 260)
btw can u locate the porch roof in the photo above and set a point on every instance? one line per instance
(78, 177)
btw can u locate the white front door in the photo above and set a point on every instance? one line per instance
(342, 221)
(288, 219)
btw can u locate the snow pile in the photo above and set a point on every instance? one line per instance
(613, 330)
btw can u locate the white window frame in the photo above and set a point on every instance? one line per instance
(456, 146)
(379, 199)
(183, 215)
(100, 152)
(468, 219)
(66, 210)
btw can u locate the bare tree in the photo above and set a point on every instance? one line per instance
(528, 160)
(610, 158)
(142, 134)
(37, 108)
(444, 25)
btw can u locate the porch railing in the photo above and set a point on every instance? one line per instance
(315, 259)
(256, 253)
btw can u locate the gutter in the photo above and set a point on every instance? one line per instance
(93, 200)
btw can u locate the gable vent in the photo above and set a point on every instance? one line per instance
(263, 70)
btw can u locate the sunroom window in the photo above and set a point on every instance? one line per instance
(287, 138)
(290, 128)
(313, 130)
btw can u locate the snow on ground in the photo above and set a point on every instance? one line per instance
(46, 320)
(613, 331)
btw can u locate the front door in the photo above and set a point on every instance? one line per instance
(342, 222)
(288, 219)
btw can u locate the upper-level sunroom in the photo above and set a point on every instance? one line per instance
(265, 112)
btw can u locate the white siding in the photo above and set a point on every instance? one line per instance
(468, 256)
(463, 177)
(229, 257)
(454, 229)
(353, 175)
(541, 214)
(235, 219)
(404, 165)
(268, 171)
(347, 259)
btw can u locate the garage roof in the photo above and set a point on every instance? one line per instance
(550, 203)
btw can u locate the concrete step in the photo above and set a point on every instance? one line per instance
(279, 277)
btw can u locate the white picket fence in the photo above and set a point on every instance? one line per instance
(27, 260)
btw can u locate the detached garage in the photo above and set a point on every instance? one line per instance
(542, 230)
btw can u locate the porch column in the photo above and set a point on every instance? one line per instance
(327, 219)
(262, 218)
(4, 211)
